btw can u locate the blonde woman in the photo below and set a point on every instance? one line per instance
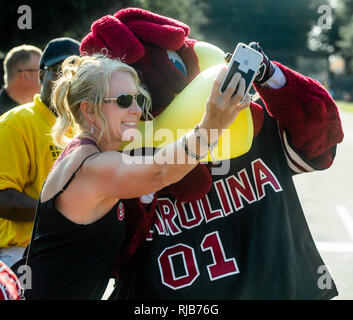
(80, 225)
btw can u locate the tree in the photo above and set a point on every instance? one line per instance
(344, 40)
(73, 18)
(191, 12)
(339, 38)
(281, 27)
(52, 19)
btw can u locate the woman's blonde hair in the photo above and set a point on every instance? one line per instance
(86, 78)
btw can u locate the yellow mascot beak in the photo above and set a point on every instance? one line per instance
(187, 109)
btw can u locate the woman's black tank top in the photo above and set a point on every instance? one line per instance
(69, 260)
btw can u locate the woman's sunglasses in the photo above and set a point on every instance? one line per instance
(125, 100)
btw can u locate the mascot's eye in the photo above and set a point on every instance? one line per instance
(177, 61)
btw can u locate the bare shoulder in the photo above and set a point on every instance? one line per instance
(65, 169)
(106, 163)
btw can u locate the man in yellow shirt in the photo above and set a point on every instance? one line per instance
(27, 154)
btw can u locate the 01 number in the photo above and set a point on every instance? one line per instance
(220, 268)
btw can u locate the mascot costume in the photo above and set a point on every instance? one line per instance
(234, 235)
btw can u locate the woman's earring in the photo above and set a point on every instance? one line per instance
(91, 131)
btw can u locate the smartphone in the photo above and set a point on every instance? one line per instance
(246, 61)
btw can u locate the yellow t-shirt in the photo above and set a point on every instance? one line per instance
(27, 155)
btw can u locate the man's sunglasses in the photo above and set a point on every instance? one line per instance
(125, 100)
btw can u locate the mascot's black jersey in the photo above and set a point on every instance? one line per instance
(204, 249)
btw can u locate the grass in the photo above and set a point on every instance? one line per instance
(345, 105)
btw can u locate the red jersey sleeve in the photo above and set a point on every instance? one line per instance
(308, 118)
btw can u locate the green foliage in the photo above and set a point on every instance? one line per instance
(190, 12)
(52, 19)
(339, 39)
(345, 43)
(73, 18)
(345, 105)
(281, 27)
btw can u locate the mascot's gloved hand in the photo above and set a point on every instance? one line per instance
(266, 69)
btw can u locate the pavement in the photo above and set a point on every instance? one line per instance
(327, 201)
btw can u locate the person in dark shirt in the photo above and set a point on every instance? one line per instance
(80, 225)
(21, 67)
(6, 103)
